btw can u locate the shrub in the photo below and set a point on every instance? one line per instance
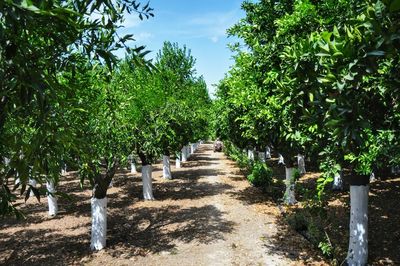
(261, 175)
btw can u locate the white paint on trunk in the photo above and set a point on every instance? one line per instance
(166, 167)
(178, 161)
(261, 156)
(184, 154)
(395, 170)
(147, 182)
(17, 180)
(64, 169)
(289, 197)
(358, 243)
(372, 177)
(338, 181)
(33, 183)
(250, 155)
(52, 199)
(268, 153)
(133, 168)
(99, 223)
(281, 160)
(301, 163)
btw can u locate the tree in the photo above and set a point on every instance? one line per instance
(39, 41)
(318, 67)
(185, 99)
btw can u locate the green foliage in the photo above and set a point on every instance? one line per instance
(318, 78)
(311, 227)
(326, 248)
(261, 175)
(51, 82)
(238, 156)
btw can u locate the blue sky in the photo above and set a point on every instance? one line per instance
(199, 24)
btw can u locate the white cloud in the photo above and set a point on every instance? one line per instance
(214, 39)
(143, 36)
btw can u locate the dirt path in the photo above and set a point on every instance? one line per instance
(207, 215)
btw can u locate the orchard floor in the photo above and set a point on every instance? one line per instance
(207, 215)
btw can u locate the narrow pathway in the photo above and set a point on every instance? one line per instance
(217, 227)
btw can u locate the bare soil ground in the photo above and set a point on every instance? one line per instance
(384, 218)
(207, 215)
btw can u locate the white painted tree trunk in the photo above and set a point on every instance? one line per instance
(358, 243)
(184, 155)
(338, 181)
(261, 156)
(147, 182)
(178, 161)
(133, 168)
(395, 170)
(192, 148)
(372, 177)
(268, 153)
(289, 197)
(301, 163)
(99, 223)
(166, 167)
(281, 160)
(52, 199)
(250, 155)
(64, 169)
(33, 183)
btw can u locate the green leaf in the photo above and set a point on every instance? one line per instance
(394, 6)
(36, 193)
(311, 96)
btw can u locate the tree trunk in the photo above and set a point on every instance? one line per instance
(133, 168)
(268, 153)
(301, 164)
(338, 181)
(178, 160)
(395, 170)
(281, 160)
(184, 154)
(187, 151)
(33, 183)
(250, 154)
(52, 199)
(166, 167)
(358, 242)
(192, 148)
(289, 197)
(99, 206)
(261, 156)
(64, 169)
(372, 177)
(99, 223)
(147, 182)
